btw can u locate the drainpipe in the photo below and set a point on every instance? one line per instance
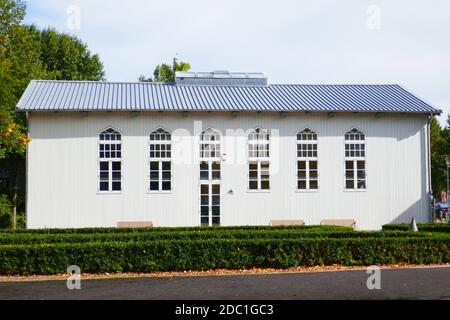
(430, 186)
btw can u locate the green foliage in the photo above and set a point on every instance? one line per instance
(12, 13)
(67, 58)
(428, 227)
(166, 72)
(5, 212)
(170, 249)
(180, 255)
(29, 238)
(27, 53)
(440, 146)
(323, 229)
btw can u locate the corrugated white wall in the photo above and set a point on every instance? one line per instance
(63, 165)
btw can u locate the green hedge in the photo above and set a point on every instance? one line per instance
(26, 238)
(429, 227)
(180, 255)
(159, 229)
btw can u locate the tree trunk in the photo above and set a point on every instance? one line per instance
(14, 202)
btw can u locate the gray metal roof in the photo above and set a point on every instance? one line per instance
(44, 95)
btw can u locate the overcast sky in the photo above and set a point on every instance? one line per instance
(311, 42)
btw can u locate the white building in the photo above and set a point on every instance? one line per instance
(224, 149)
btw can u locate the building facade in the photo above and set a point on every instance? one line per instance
(224, 149)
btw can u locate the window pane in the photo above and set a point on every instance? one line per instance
(216, 221)
(215, 189)
(154, 175)
(117, 186)
(154, 186)
(361, 165)
(361, 184)
(104, 176)
(216, 200)
(204, 200)
(204, 175)
(302, 174)
(166, 165)
(349, 165)
(116, 175)
(253, 185)
(253, 174)
(204, 211)
(154, 166)
(349, 174)
(313, 165)
(104, 166)
(349, 184)
(313, 175)
(166, 186)
(215, 210)
(314, 185)
(204, 166)
(361, 174)
(204, 189)
(104, 186)
(216, 166)
(216, 175)
(116, 166)
(265, 185)
(302, 185)
(301, 165)
(205, 222)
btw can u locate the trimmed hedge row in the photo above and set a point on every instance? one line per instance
(26, 238)
(429, 227)
(183, 255)
(159, 229)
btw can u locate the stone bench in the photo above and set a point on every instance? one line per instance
(339, 222)
(275, 223)
(134, 224)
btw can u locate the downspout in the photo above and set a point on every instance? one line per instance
(26, 173)
(430, 186)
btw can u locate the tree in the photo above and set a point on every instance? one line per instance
(439, 146)
(28, 53)
(69, 58)
(12, 13)
(166, 72)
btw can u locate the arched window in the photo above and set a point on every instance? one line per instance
(210, 155)
(160, 161)
(110, 164)
(307, 160)
(210, 144)
(355, 160)
(259, 159)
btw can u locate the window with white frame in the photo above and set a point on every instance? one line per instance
(307, 160)
(160, 161)
(110, 163)
(355, 160)
(259, 159)
(210, 156)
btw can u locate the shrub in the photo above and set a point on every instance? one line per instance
(158, 229)
(180, 255)
(429, 227)
(5, 212)
(28, 238)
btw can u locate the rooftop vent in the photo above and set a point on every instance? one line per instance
(221, 78)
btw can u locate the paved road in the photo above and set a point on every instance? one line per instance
(421, 283)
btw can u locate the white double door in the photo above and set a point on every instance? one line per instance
(210, 190)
